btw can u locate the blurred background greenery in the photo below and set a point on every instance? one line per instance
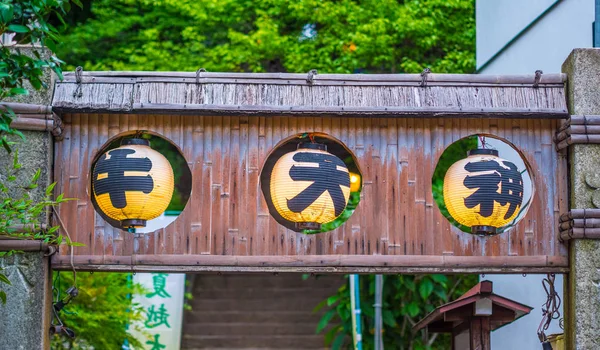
(341, 36)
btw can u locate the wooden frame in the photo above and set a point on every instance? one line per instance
(397, 227)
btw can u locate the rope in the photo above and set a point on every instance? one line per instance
(482, 139)
(424, 75)
(78, 73)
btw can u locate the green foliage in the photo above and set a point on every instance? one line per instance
(375, 36)
(102, 314)
(28, 21)
(18, 210)
(20, 213)
(406, 299)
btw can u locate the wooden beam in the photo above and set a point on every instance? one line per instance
(26, 108)
(580, 214)
(327, 111)
(317, 263)
(25, 245)
(320, 79)
(34, 117)
(34, 124)
(580, 223)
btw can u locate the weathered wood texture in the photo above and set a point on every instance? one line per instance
(578, 129)
(580, 223)
(227, 215)
(446, 95)
(34, 117)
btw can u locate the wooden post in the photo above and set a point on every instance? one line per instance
(480, 333)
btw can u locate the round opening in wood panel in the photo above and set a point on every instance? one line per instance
(181, 173)
(323, 143)
(483, 184)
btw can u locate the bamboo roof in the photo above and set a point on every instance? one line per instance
(410, 95)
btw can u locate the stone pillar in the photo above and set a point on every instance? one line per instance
(582, 304)
(25, 318)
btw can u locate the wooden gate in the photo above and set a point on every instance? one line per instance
(396, 125)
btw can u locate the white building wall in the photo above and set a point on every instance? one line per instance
(545, 45)
(499, 21)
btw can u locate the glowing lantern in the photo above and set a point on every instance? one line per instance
(133, 183)
(354, 182)
(310, 186)
(483, 191)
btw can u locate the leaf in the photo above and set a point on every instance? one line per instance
(325, 320)
(388, 318)
(338, 341)
(425, 288)
(320, 306)
(6, 144)
(50, 188)
(441, 293)
(6, 13)
(413, 309)
(3, 297)
(16, 164)
(4, 279)
(410, 283)
(439, 278)
(36, 176)
(333, 299)
(19, 91)
(18, 28)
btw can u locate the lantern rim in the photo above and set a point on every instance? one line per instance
(135, 141)
(483, 151)
(484, 230)
(312, 145)
(133, 223)
(307, 225)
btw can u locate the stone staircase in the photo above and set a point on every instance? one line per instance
(256, 311)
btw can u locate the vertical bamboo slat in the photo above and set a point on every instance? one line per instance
(227, 215)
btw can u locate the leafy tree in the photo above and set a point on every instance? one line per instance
(406, 299)
(26, 22)
(101, 314)
(374, 36)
